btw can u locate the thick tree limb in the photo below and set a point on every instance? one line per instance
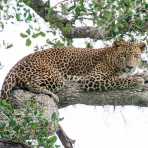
(85, 32)
(10, 144)
(62, 22)
(73, 94)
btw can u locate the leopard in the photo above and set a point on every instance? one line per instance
(95, 69)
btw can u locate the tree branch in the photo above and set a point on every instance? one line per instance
(73, 94)
(11, 144)
(62, 22)
(85, 32)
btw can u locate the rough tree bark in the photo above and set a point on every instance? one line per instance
(10, 144)
(72, 94)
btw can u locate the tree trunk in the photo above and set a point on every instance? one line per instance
(10, 144)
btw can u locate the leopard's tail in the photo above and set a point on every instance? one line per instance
(8, 85)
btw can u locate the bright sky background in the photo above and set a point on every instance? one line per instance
(90, 126)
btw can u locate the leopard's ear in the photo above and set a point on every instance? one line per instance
(118, 43)
(142, 46)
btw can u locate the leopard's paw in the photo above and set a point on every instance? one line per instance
(139, 82)
(145, 78)
(144, 75)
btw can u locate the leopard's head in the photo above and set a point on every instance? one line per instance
(128, 55)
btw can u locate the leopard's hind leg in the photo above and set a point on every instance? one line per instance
(46, 82)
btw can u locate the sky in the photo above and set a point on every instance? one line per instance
(90, 126)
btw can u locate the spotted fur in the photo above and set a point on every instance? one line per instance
(95, 69)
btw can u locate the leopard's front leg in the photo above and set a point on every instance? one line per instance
(111, 83)
(123, 83)
(103, 77)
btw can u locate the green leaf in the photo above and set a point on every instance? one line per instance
(82, 5)
(34, 125)
(28, 31)
(12, 122)
(28, 42)
(52, 139)
(2, 125)
(146, 6)
(77, 10)
(23, 35)
(107, 15)
(71, 8)
(1, 25)
(35, 35)
(55, 117)
(42, 34)
(57, 146)
(29, 18)
(9, 46)
(5, 104)
(18, 17)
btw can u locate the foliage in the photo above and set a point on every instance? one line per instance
(116, 17)
(26, 125)
(19, 12)
(31, 33)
